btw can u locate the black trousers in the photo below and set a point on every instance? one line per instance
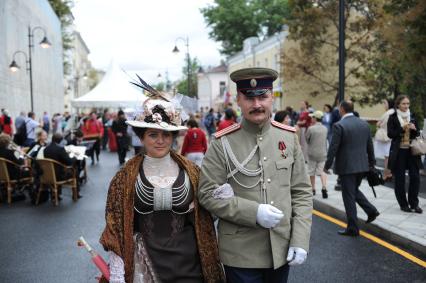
(406, 161)
(122, 146)
(256, 275)
(351, 196)
(105, 138)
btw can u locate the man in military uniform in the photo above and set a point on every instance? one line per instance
(254, 179)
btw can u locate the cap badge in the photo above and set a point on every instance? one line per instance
(253, 83)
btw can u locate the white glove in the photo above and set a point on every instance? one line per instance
(268, 216)
(116, 268)
(296, 256)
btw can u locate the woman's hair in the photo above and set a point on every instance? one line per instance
(400, 98)
(39, 134)
(306, 103)
(4, 140)
(329, 107)
(192, 123)
(280, 116)
(140, 132)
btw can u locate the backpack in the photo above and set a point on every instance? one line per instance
(21, 134)
(209, 121)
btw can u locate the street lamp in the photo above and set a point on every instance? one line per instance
(188, 71)
(341, 50)
(14, 67)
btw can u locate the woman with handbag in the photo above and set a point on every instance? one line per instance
(382, 142)
(403, 129)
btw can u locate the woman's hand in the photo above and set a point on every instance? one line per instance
(412, 126)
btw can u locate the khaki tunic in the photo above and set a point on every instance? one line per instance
(242, 242)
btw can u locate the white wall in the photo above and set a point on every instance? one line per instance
(48, 89)
(209, 88)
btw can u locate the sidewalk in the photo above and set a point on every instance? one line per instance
(407, 230)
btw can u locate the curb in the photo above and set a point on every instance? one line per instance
(413, 247)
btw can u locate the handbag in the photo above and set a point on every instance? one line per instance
(418, 146)
(381, 135)
(374, 178)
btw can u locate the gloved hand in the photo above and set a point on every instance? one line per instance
(296, 256)
(268, 216)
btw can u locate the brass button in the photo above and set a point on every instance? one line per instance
(260, 138)
(269, 180)
(272, 202)
(265, 158)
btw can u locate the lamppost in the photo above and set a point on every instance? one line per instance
(188, 71)
(44, 43)
(341, 50)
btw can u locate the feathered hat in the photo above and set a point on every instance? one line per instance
(158, 112)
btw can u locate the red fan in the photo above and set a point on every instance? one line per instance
(96, 258)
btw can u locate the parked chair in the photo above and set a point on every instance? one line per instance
(49, 179)
(12, 184)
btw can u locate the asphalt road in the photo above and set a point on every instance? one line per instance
(38, 244)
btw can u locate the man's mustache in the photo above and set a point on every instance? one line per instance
(257, 110)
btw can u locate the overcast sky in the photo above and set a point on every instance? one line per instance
(140, 34)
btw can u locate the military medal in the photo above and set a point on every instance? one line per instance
(282, 147)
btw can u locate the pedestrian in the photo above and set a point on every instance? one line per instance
(316, 138)
(93, 130)
(293, 115)
(194, 144)
(20, 120)
(382, 142)
(105, 119)
(119, 127)
(303, 124)
(283, 117)
(253, 178)
(209, 123)
(46, 122)
(228, 120)
(31, 126)
(57, 123)
(402, 129)
(352, 148)
(155, 229)
(326, 120)
(6, 123)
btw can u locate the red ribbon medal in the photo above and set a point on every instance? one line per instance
(282, 147)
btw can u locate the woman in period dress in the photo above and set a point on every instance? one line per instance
(155, 229)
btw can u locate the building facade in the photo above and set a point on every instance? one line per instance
(17, 18)
(212, 85)
(78, 81)
(266, 54)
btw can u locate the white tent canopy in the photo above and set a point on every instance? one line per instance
(113, 91)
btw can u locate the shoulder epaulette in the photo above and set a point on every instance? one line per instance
(284, 127)
(227, 130)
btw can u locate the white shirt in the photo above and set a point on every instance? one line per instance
(31, 126)
(347, 115)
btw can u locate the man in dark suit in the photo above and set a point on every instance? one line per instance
(352, 147)
(57, 152)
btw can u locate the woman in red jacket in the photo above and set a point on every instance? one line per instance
(195, 143)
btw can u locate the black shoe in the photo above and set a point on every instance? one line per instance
(348, 233)
(79, 196)
(314, 192)
(338, 187)
(324, 193)
(406, 209)
(372, 217)
(418, 210)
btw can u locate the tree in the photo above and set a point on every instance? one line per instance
(398, 65)
(182, 86)
(232, 21)
(313, 25)
(62, 9)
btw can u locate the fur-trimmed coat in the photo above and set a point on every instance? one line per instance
(119, 214)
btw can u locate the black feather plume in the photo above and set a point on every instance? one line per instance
(152, 92)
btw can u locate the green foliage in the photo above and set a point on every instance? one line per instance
(232, 21)
(398, 65)
(314, 26)
(182, 86)
(160, 86)
(62, 9)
